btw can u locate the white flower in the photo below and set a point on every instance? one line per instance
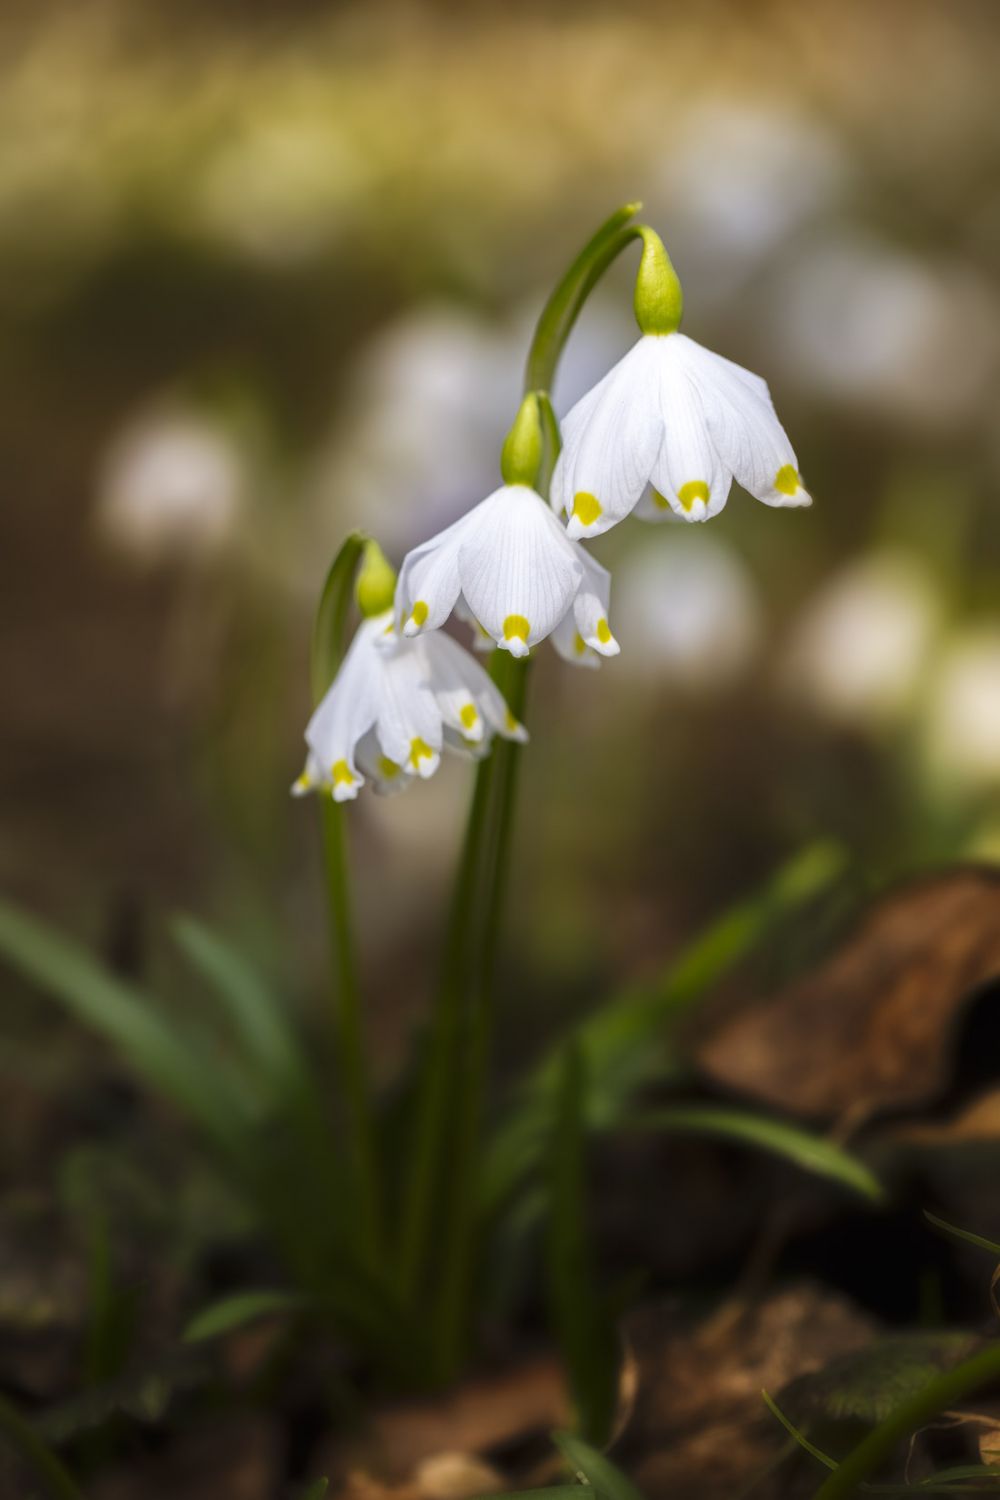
(172, 486)
(509, 565)
(689, 612)
(962, 731)
(859, 652)
(393, 706)
(678, 417)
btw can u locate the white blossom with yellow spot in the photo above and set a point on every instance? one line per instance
(392, 708)
(676, 417)
(509, 566)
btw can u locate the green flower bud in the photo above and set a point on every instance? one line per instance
(521, 458)
(659, 301)
(375, 586)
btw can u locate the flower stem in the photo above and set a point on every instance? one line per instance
(349, 1028)
(461, 1227)
(566, 302)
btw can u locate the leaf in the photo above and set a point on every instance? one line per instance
(625, 1042)
(127, 1017)
(940, 1393)
(870, 1028)
(585, 1333)
(58, 1482)
(236, 1311)
(331, 614)
(597, 1470)
(868, 1384)
(800, 1437)
(963, 1234)
(808, 1151)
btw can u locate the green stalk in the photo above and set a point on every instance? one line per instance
(328, 647)
(940, 1394)
(451, 1322)
(22, 1437)
(454, 1071)
(435, 1092)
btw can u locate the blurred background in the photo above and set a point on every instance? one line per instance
(268, 272)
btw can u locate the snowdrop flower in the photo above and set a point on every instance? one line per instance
(509, 566)
(962, 733)
(672, 415)
(394, 705)
(171, 487)
(859, 651)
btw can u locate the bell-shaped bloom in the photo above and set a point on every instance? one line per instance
(392, 708)
(680, 419)
(509, 566)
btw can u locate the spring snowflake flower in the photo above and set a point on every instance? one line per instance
(394, 705)
(674, 416)
(509, 567)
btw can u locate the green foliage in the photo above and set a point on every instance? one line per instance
(58, 1482)
(596, 1469)
(585, 1332)
(966, 1235)
(316, 1490)
(237, 1311)
(811, 1152)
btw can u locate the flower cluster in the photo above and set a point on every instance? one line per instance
(663, 434)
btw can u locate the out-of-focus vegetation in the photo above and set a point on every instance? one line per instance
(267, 272)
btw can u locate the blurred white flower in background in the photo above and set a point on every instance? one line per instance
(429, 403)
(688, 611)
(736, 183)
(860, 649)
(875, 327)
(171, 487)
(962, 723)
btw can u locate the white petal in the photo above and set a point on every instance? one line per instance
(571, 645)
(688, 474)
(408, 725)
(744, 427)
(346, 713)
(610, 444)
(591, 607)
(386, 776)
(428, 580)
(482, 641)
(469, 700)
(518, 570)
(653, 507)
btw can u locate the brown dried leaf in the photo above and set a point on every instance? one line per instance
(698, 1425)
(870, 1029)
(479, 1416)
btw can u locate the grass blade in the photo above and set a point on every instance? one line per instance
(59, 1483)
(811, 1152)
(624, 1043)
(597, 1470)
(126, 1017)
(967, 1235)
(237, 1311)
(800, 1437)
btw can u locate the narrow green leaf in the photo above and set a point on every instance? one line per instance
(596, 1469)
(811, 1152)
(584, 1331)
(237, 1311)
(940, 1394)
(800, 1437)
(126, 1017)
(59, 1483)
(626, 1041)
(967, 1235)
(331, 614)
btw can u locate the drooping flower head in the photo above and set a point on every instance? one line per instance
(396, 704)
(674, 416)
(509, 566)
